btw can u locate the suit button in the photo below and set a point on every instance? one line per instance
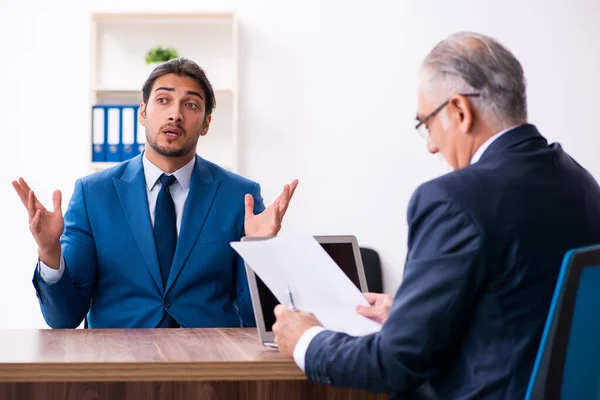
(167, 303)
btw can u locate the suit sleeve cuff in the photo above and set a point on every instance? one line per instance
(51, 275)
(303, 343)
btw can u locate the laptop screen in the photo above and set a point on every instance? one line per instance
(341, 253)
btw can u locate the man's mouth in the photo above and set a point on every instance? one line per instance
(172, 133)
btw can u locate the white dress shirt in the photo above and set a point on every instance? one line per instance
(302, 345)
(179, 192)
(487, 144)
(309, 335)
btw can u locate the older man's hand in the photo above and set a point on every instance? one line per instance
(290, 326)
(380, 307)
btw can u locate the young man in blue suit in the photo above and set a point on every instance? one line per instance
(485, 245)
(146, 243)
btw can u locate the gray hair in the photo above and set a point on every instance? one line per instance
(467, 62)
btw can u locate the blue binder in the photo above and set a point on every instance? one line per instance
(117, 134)
(113, 133)
(140, 133)
(128, 133)
(98, 134)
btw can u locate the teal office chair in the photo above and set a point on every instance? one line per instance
(568, 360)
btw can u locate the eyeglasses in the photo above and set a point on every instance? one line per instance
(422, 125)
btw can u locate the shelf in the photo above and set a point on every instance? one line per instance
(209, 42)
(120, 42)
(195, 17)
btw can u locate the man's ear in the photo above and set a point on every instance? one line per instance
(142, 116)
(206, 125)
(462, 113)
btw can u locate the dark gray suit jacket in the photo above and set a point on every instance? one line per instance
(484, 250)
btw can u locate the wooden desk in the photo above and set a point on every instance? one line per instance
(152, 364)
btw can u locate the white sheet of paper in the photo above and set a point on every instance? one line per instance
(317, 284)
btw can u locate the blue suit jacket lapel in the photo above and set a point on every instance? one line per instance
(131, 189)
(199, 201)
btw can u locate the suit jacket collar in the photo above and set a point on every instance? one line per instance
(514, 138)
(135, 166)
(153, 173)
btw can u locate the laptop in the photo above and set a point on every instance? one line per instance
(343, 250)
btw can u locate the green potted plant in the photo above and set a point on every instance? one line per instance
(157, 55)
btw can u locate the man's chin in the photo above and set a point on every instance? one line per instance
(171, 151)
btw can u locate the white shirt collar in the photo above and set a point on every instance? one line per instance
(183, 174)
(488, 142)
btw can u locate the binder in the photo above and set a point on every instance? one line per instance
(98, 134)
(128, 138)
(140, 134)
(117, 134)
(136, 110)
(113, 133)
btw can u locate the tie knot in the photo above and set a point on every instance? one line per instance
(166, 181)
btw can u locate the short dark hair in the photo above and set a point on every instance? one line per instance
(182, 67)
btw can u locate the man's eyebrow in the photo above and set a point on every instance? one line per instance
(191, 92)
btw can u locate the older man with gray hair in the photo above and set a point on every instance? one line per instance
(485, 245)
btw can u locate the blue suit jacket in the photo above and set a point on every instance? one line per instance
(112, 269)
(484, 250)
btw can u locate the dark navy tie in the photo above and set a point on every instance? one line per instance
(165, 227)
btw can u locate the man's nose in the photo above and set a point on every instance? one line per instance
(431, 146)
(175, 115)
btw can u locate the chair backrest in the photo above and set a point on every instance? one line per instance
(568, 360)
(372, 265)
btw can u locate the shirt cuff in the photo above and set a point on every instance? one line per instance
(302, 345)
(51, 275)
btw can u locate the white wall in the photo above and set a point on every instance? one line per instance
(327, 96)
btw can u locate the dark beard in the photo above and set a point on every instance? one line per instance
(175, 153)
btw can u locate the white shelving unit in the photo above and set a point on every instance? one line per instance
(118, 68)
